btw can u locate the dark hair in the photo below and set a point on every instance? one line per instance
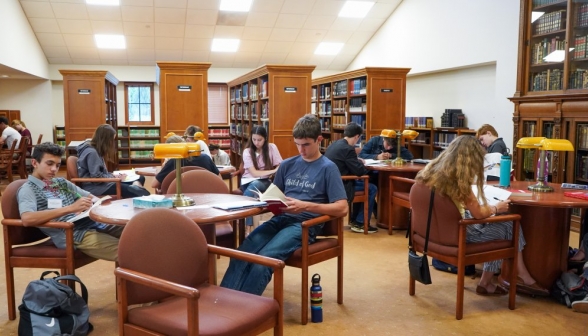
(46, 148)
(191, 130)
(4, 120)
(267, 160)
(390, 141)
(213, 147)
(103, 141)
(307, 127)
(352, 129)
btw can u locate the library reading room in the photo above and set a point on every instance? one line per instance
(294, 167)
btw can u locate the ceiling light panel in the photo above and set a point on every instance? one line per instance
(235, 5)
(225, 45)
(355, 9)
(110, 41)
(328, 48)
(103, 2)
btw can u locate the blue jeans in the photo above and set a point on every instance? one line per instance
(372, 192)
(277, 238)
(261, 185)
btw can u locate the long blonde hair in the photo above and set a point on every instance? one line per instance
(454, 171)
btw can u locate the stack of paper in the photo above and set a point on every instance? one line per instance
(492, 194)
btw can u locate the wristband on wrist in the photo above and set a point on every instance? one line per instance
(495, 209)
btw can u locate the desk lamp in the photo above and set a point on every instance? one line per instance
(543, 144)
(177, 151)
(406, 134)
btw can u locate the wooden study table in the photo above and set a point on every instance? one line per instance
(545, 222)
(386, 210)
(152, 171)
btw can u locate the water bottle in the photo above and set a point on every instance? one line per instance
(316, 299)
(545, 171)
(505, 162)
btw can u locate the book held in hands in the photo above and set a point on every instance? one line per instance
(86, 213)
(274, 197)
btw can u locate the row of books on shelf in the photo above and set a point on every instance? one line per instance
(339, 106)
(340, 88)
(540, 50)
(578, 79)
(137, 143)
(220, 142)
(582, 15)
(549, 22)
(242, 129)
(324, 91)
(582, 132)
(444, 139)
(582, 167)
(358, 85)
(325, 109)
(550, 79)
(249, 91)
(579, 47)
(530, 161)
(148, 132)
(357, 104)
(135, 154)
(218, 132)
(242, 111)
(236, 146)
(423, 138)
(423, 122)
(60, 133)
(537, 3)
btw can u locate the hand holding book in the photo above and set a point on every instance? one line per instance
(274, 197)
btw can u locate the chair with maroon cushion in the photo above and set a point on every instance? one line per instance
(73, 177)
(203, 181)
(19, 158)
(167, 180)
(447, 239)
(399, 189)
(38, 252)
(6, 158)
(327, 246)
(361, 197)
(167, 265)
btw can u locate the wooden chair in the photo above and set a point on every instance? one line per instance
(28, 247)
(360, 197)
(6, 158)
(399, 189)
(29, 166)
(19, 158)
(72, 176)
(238, 174)
(203, 181)
(447, 239)
(167, 180)
(327, 246)
(168, 264)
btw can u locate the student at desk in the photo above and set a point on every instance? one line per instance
(312, 184)
(453, 173)
(488, 137)
(382, 147)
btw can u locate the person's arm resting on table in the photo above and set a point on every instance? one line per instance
(478, 211)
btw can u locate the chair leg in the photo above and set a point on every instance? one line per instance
(411, 286)
(460, 286)
(366, 220)
(305, 293)
(10, 292)
(340, 279)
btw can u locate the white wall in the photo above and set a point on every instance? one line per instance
(447, 36)
(19, 48)
(34, 100)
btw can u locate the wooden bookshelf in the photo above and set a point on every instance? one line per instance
(432, 141)
(89, 101)
(135, 145)
(551, 97)
(373, 97)
(220, 135)
(274, 96)
(59, 139)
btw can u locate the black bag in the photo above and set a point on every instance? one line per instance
(418, 266)
(445, 267)
(50, 307)
(569, 288)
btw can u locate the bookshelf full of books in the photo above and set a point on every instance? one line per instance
(135, 145)
(371, 97)
(273, 96)
(220, 135)
(59, 139)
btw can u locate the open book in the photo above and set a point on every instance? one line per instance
(274, 197)
(87, 212)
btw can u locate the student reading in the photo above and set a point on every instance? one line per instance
(313, 187)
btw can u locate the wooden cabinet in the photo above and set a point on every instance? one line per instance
(432, 141)
(59, 139)
(183, 96)
(89, 101)
(135, 145)
(274, 96)
(375, 98)
(10, 115)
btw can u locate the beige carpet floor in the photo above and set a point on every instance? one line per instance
(376, 300)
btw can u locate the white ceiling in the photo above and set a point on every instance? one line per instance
(273, 32)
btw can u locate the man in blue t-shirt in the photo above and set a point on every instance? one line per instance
(312, 184)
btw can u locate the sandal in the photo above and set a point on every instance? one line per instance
(499, 291)
(532, 289)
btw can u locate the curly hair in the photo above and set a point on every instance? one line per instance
(456, 169)
(46, 148)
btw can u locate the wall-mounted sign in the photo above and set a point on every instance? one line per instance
(184, 87)
(290, 89)
(83, 91)
(386, 90)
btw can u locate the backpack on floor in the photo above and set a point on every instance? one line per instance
(50, 307)
(445, 267)
(569, 288)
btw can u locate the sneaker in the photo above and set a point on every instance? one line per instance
(357, 227)
(581, 306)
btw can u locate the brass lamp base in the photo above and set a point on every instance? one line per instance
(179, 200)
(540, 187)
(398, 161)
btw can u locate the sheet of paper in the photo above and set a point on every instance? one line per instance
(493, 194)
(202, 206)
(372, 162)
(87, 212)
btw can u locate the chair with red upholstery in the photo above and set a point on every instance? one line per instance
(447, 239)
(28, 247)
(73, 177)
(399, 189)
(163, 260)
(167, 180)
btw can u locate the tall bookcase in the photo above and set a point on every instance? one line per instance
(432, 141)
(551, 97)
(373, 97)
(89, 101)
(59, 139)
(135, 145)
(274, 96)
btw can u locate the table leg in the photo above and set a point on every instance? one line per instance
(547, 234)
(387, 212)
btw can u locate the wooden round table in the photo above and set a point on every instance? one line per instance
(387, 212)
(152, 171)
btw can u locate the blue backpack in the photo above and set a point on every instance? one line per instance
(50, 307)
(445, 267)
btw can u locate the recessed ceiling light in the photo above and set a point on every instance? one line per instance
(110, 41)
(328, 48)
(103, 2)
(355, 9)
(4, 76)
(235, 5)
(225, 45)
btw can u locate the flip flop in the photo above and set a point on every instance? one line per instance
(499, 291)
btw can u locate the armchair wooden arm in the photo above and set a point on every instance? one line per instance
(116, 180)
(157, 283)
(493, 219)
